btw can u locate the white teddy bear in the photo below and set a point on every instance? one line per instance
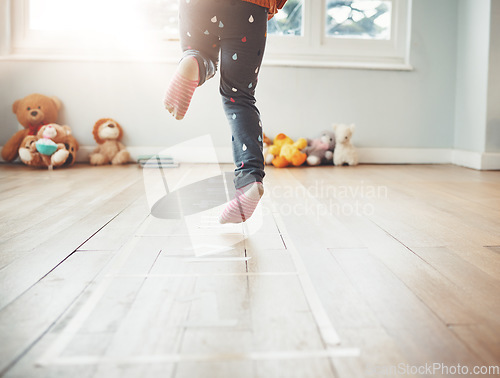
(344, 153)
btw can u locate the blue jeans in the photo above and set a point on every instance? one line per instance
(237, 30)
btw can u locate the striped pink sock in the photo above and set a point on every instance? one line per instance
(178, 96)
(243, 205)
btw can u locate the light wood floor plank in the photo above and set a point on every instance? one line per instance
(478, 289)
(400, 260)
(403, 261)
(27, 269)
(402, 314)
(60, 199)
(348, 311)
(482, 339)
(115, 233)
(66, 219)
(368, 233)
(30, 316)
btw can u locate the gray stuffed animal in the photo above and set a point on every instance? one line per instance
(320, 150)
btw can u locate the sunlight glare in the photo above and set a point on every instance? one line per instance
(109, 16)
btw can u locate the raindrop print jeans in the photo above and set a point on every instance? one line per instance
(237, 30)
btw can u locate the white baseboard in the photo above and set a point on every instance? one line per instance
(370, 155)
(467, 159)
(185, 155)
(367, 155)
(476, 160)
(491, 161)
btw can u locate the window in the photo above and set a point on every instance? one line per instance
(95, 27)
(363, 33)
(358, 19)
(289, 20)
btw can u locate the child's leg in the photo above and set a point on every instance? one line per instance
(181, 87)
(243, 205)
(199, 61)
(242, 48)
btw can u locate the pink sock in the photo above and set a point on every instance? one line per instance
(243, 205)
(179, 95)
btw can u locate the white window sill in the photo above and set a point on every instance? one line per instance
(338, 64)
(273, 61)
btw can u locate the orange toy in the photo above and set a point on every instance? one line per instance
(286, 152)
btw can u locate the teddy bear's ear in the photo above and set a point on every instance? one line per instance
(352, 126)
(57, 102)
(120, 135)
(15, 105)
(95, 131)
(335, 127)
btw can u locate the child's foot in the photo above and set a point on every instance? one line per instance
(181, 87)
(243, 205)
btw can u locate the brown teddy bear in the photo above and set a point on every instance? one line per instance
(33, 111)
(52, 146)
(108, 133)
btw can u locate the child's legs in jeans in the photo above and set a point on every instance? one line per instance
(201, 50)
(199, 35)
(242, 48)
(238, 29)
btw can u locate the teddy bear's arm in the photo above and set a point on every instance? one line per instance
(11, 148)
(32, 145)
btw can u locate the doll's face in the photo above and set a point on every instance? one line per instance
(49, 131)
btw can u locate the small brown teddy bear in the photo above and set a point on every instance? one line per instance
(33, 111)
(52, 146)
(108, 133)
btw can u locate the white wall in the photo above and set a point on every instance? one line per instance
(391, 108)
(4, 26)
(472, 74)
(129, 92)
(493, 115)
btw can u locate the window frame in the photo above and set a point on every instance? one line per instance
(25, 42)
(316, 49)
(312, 49)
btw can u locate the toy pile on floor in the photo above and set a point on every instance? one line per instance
(43, 143)
(330, 147)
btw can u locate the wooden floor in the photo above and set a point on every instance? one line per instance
(361, 271)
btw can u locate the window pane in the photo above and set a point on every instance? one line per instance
(369, 19)
(289, 20)
(105, 16)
